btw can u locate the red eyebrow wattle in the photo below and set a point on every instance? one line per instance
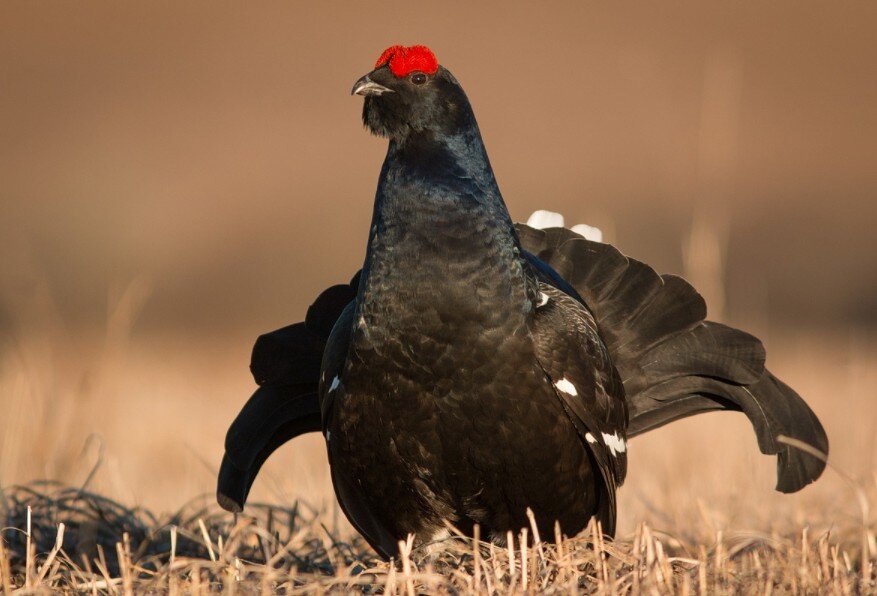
(404, 60)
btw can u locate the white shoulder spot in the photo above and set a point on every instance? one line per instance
(615, 443)
(542, 219)
(566, 387)
(335, 382)
(543, 299)
(590, 438)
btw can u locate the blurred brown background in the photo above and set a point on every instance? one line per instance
(178, 177)
(213, 148)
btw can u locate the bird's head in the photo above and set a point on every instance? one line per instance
(408, 91)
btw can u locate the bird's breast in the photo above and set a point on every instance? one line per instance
(435, 281)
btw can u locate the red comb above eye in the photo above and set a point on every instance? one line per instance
(405, 60)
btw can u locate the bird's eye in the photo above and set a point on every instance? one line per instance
(418, 78)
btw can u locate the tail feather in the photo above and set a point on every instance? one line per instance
(772, 407)
(293, 353)
(286, 365)
(673, 363)
(707, 350)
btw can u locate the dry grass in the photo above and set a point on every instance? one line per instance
(127, 424)
(66, 539)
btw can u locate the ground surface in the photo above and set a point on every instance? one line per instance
(127, 429)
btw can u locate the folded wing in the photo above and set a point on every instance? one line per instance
(574, 358)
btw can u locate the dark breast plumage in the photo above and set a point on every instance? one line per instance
(477, 445)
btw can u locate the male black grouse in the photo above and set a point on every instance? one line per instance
(474, 368)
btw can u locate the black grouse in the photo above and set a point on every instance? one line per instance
(475, 368)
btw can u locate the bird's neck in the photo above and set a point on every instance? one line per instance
(436, 189)
(441, 237)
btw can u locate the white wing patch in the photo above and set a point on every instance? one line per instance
(590, 438)
(335, 382)
(615, 443)
(543, 299)
(566, 387)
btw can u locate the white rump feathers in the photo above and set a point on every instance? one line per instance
(542, 219)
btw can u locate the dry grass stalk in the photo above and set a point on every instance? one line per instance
(175, 556)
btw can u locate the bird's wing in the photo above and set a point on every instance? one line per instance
(286, 365)
(348, 491)
(673, 362)
(572, 355)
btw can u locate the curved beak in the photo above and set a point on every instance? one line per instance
(365, 86)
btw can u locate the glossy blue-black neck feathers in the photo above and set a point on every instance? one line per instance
(441, 240)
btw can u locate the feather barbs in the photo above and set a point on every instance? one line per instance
(404, 60)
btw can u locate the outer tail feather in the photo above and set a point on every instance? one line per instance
(673, 363)
(273, 416)
(772, 407)
(286, 365)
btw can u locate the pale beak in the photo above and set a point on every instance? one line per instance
(366, 86)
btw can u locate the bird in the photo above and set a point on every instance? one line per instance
(476, 371)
